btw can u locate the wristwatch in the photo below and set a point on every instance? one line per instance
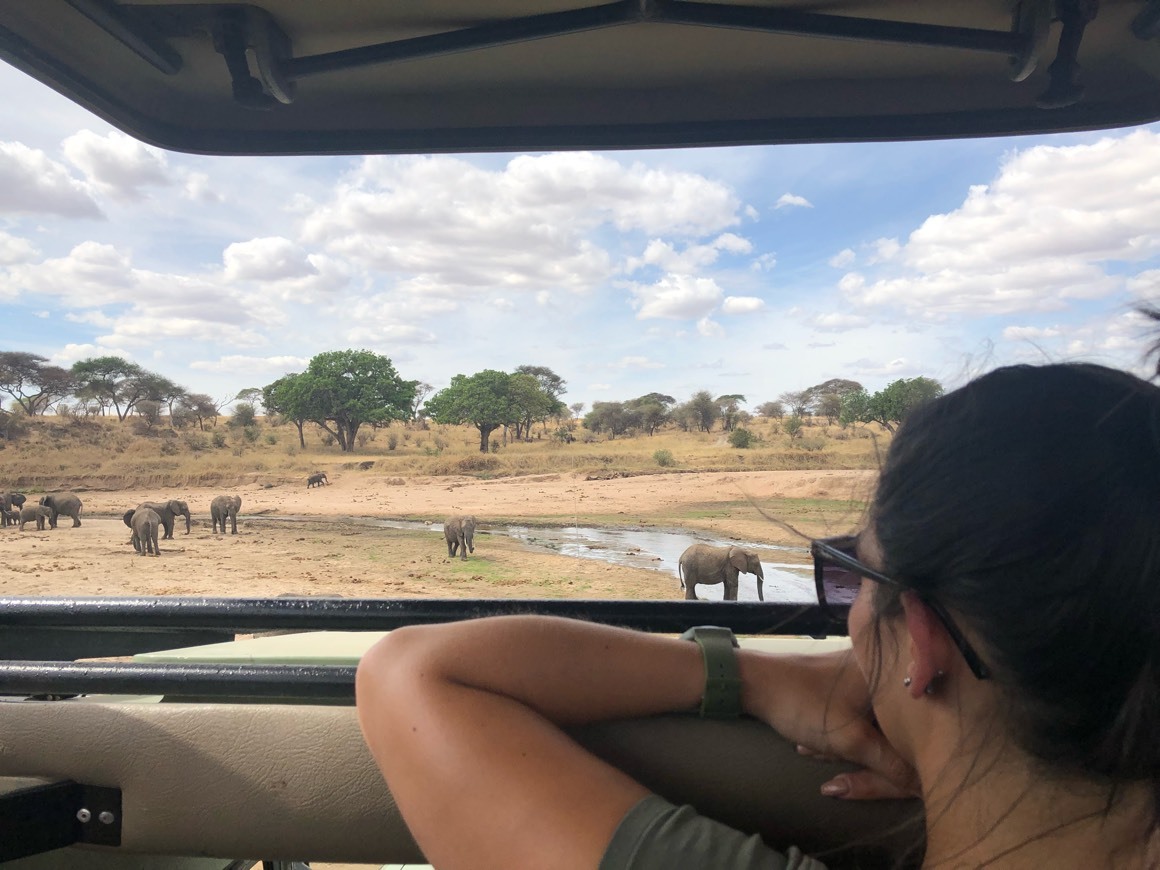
(722, 697)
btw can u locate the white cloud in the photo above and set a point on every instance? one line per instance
(267, 259)
(884, 250)
(710, 328)
(775, 345)
(15, 250)
(600, 387)
(527, 226)
(843, 259)
(389, 334)
(899, 367)
(116, 164)
(742, 304)
(272, 365)
(692, 258)
(818, 344)
(32, 183)
(837, 321)
(543, 297)
(676, 297)
(792, 200)
(764, 263)
(636, 362)
(197, 188)
(1031, 333)
(1039, 235)
(71, 353)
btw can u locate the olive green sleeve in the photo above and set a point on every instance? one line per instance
(658, 834)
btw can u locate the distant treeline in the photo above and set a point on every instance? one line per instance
(341, 391)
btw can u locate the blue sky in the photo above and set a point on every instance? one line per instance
(737, 270)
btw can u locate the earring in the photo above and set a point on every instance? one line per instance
(906, 681)
(930, 686)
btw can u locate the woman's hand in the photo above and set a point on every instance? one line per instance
(822, 703)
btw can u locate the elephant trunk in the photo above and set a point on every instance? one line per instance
(760, 578)
(187, 523)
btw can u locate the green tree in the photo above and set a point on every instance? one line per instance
(797, 402)
(483, 400)
(730, 406)
(704, 411)
(529, 402)
(773, 410)
(282, 397)
(651, 410)
(198, 406)
(112, 381)
(825, 399)
(341, 390)
(611, 417)
(890, 405)
(34, 385)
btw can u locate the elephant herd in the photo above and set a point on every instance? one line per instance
(150, 517)
(15, 511)
(146, 521)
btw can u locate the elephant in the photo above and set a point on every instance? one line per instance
(225, 506)
(168, 511)
(17, 498)
(37, 513)
(317, 479)
(7, 510)
(702, 563)
(145, 523)
(66, 503)
(459, 531)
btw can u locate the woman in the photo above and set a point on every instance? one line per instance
(1005, 664)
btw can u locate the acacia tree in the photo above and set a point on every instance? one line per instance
(652, 410)
(703, 411)
(32, 384)
(730, 406)
(112, 381)
(483, 400)
(890, 405)
(343, 389)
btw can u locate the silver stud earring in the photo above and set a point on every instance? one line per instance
(930, 686)
(906, 681)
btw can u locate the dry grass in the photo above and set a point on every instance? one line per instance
(103, 454)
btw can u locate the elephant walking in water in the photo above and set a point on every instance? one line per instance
(145, 522)
(702, 563)
(67, 503)
(225, 506)
(459, 532)
(169, 511)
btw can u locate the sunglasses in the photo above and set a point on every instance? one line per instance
(838, 577)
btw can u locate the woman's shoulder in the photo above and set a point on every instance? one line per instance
(658, 834)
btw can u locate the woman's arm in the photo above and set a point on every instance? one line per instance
(464, 721)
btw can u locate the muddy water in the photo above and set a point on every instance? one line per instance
(788, 574)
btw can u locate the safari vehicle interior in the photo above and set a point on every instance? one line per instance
(163, 762)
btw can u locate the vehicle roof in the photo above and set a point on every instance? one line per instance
(452, 75)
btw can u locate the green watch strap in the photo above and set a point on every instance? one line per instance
(722, 698)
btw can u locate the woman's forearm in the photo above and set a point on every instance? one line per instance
(570, 672)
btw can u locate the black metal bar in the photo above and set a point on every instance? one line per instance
(469, 38)
(265, 682)
(134, 35)
(812, 24)
(66, 644)
(242, 615)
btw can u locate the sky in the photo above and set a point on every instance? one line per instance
(753, 270)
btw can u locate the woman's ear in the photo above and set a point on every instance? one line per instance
(928, 644)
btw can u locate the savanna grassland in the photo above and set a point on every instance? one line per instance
(817, 483)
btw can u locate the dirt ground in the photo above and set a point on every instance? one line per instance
(329, 549)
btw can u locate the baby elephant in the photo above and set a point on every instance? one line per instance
(459, 531)
(317, 479)
(36, 512)
(145, 522)
(225, 506)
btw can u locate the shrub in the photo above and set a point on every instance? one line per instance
(477, 463)
(251, 433)
(362, 438)
(793, 427)
(195, 442)
(218, 438)
(664, 458)
(271, 439)
(393, 440)
(494, 445)
(440, 443)
(741, 438)
(811, 444)
(244, 415)
(169, 448)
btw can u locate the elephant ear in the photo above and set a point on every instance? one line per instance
(738, 559)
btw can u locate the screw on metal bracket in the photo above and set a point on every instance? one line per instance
(84, 816)
(106, 818)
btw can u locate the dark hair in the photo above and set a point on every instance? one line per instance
(1028, 504)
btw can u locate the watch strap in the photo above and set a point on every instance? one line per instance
(722, 696)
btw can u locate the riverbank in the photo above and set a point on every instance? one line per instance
(338, 557)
